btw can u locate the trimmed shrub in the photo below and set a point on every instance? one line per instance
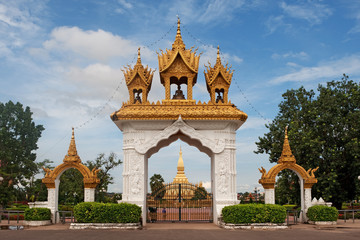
(322, 213)
(37, 214)
(93, 212)
(254, 213)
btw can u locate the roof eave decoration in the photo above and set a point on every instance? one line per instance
(287, 161)
(145, 73)
(170, 110)
(218, 69)
(71, 160)
(189, 57)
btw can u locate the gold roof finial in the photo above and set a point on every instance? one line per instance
(178, 43)
(72, 155)
(286, 154)
(138, 58)
(218, 59)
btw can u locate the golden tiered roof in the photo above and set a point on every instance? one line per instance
(218, 78)
(138, 79)
(188, 56)
(178, 66)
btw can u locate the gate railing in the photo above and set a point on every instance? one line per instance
(9, 213)
(178, 202)
(349, 211)
(294, 215)
(64, 216)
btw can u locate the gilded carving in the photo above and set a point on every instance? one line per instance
(71, 160)
(218, 80)
(287, 161)
(138, 81)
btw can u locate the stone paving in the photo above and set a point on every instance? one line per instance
(189, 231)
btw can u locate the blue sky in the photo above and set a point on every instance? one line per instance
(63, 58)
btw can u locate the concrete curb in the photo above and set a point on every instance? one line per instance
(37, 223)
(262, 226)
(127, 226)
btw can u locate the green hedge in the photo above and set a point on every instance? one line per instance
(37, 214)
(322, 213)
(254, 213)
(92, 212)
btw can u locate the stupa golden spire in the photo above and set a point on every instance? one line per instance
(72, 155)
(286, 154)
(180, 176)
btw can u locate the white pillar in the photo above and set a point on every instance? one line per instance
(134, 180)
(269, 195)
(89, 195)
(51, 202)
(225, 181)
(307, 201)
(302, 198)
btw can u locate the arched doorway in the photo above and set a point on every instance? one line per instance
(71, 161)
(287, 161)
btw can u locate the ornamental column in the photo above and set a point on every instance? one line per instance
(224, 164)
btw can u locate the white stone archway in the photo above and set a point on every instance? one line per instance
(144, 138)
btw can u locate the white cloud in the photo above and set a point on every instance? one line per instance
(207, 185)
(125, 4)
(95, 45)
(275, 22)
(312, 12)
(332, 69)
(243, 187)
(300, 55)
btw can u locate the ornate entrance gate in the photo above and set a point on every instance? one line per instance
(180, 203)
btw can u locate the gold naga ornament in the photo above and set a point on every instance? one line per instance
(178, 66)
(287, 161)
(71, 160)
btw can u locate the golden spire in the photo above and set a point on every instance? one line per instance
(218, 59)
(180, 176)
(178, 43)
(286, 155)
(72, 155)
(138, 62)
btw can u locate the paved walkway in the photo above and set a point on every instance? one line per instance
(189, 231)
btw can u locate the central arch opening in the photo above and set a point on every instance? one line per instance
(179, 182)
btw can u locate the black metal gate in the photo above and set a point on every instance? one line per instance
(180, 203)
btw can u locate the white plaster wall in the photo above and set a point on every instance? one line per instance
(141, 139)
(89, 194)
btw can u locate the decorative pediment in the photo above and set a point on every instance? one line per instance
(218, 71)
(180, 126)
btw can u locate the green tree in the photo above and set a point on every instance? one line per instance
(200, 193)
(157, 182)
(324, 131)
(105, 164)
(18, 141)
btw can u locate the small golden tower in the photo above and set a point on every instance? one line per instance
(218, 80)
(178, 66)
(286, 154)
(72, 155)
(138, 81)
(180, 176)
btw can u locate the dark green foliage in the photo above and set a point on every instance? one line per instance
(324, 130)
(200, 193)
(93, 212)
(254, 213)
(156, 183)
(18, 142)
(71, 189)
(37, 214)
(322, 213)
